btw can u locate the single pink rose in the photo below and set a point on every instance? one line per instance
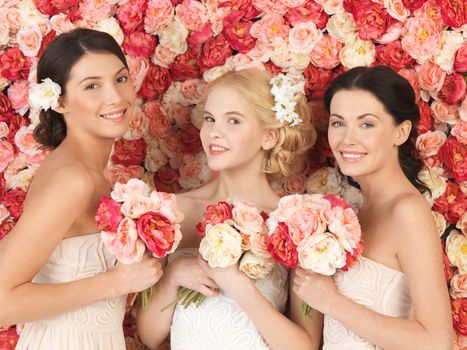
(159, 13)
(310, 11)
(18, 93)
(158, 121)
(93, 11)
(237, 33)
(430, 76)
(29, 40)
(13, 201)
(159, 234)
(371, 19)
(444, 113)
(454, 156)
(156, 82)
(460, 63)
(270, 6)
(420, 39)
(7, 154)
(428, 144)
(270, 30)
(130, 15)
(460, 131)
(215, 52)
(128, 152)
(185, 66)
(139, 44)
(247, 218)
(13, 64)
(454, 89)
(281, 247)
(454, 12)
(108, 215)
(394, 56)
(303, 37)
(325, 54)
(193, 14)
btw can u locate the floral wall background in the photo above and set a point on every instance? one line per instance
(175, 47)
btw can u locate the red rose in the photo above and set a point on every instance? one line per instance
(157, 232)
(371, 19)
(196, 39)
(459, 315)
(214, 214)
(13, 201)
(139, 44)
(413, 5)
(45, 42)
(454, 12)
(14, 65)
(8, 339)
(5, 108)
(5, 228)
(311, 11)
(316, 81)
(460, 63)
(108, 215)
(46, 7)
(155, 83)
(245, 7)
(190, 141)
(129, 152)
(281, 247)
(237, 32)
(131, 15)
(215, 52)
(452, 204)
(166, 179)
(185, 66)
(454, 156)
(350, 5)
(394, 56)
(426, 122)
(453, 90)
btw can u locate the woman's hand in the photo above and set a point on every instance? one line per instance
(229, 279)
(131, 278)
(186, 272)
(316, 290)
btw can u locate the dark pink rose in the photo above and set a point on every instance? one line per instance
(452, 204)
(139, 44)
(190, 141)
(281, 247)
(454, 12)
(371, 19)
(413, 5)
(46, 7)
(237, 32)
(245, 7)
(108, 215)
(453, 90)
(131, 15)
(394, 56)
(128, 152)
(310, 11)
(196, 39)
(215, 52)
(155, 83)
(13, 201)
(14, 65)
(426, 122)
(157, 232)
(185, 66)
(214, 214)
(460, 63)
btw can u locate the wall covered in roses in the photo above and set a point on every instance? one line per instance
(175, 47)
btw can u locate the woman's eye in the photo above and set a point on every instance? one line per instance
(367, 125)
(122, 79)
(337, 124)
(91, 87)
(208, 119)
(234, 121)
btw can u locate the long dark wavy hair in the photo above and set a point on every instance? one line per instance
(56, 63)
(398, 98)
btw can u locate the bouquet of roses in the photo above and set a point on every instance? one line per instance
(316, 232)
(233, 230)
(134, 219)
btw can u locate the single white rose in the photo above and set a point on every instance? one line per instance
(44, 95)
(222, 245)
(256, 267)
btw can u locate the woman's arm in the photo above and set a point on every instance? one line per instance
(51, 208)
(276, 329)
(419, 254)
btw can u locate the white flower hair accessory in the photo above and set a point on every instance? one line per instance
(284, 88)
(44, 95)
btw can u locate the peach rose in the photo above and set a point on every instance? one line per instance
(133, 188)
(444, 113)
(7, 154)
(61, 24)
(159, 13)
(429, 143)
(167, 205)
(325, 54)
(259, 243)
(163, 56)
(193, 14)
(459, 286)
(95, 11)
(270, 6)
(256, 267)
(25, 140)
(139, 205)
(222, 245)
(193, 90)
(29, 40)
(18, 93)
(4, 130)
(460, 131)
(138, 125)
(304, 36)
(138, 67)
(332, 6)
(430, 76)
(270, 30)
(420, 39)
(396, 9)
(247, 217)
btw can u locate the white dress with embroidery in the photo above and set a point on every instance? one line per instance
(220, 323)
(93, 327)
(374, 285)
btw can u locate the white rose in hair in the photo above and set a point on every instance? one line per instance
(44, 95)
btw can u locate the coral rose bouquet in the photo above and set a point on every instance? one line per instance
(316, 232)
(233, 232)
(135, 219)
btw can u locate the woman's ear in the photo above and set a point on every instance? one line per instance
(61, 108)
(403, 132)
(270, 138)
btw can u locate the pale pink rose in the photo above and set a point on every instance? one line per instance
(304, 36)
(24, 139)
(459, 286)
(270, 6)
(294, 3)
(4, 213)
(430, 76)
(342, 27)
(125, 244)
(460, 131)
(357, 53)
(429, 143)
(4, 35)
(163, 56)
(4, 130)
(303, 223)
(118, 173)
(29, 40)
(18, 94)
(420, 39)
(155, 156)
(123, 192)
(261, 52)
(393, 32)
(259, 243)
(396, 9)
(95, 11)
(194, 90)
(138, 125)
(194, 171)
(167, 205)
(7, 154)
(285, 208)
(295, 184)
(12, 18)
(412, 78)
(431, 11)
(256, 267)
(332, 6)
(270, 30)
(444, 113)
(193, 14)
(242, 61)
(61, 24)
(18, 163)
(157, 118)
(325, 54)
(174, 36)
(344, 224)
(138, 205)
(450, 42)
(36, 157)
(138, 67)
(284, 57)
(248, 219)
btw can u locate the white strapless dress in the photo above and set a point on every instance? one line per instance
(93, 327)
(219, 323)
(374, 285)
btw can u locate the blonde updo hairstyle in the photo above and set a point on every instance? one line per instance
(289, 155)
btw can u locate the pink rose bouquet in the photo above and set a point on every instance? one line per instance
(316, 232)
(135, 219)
